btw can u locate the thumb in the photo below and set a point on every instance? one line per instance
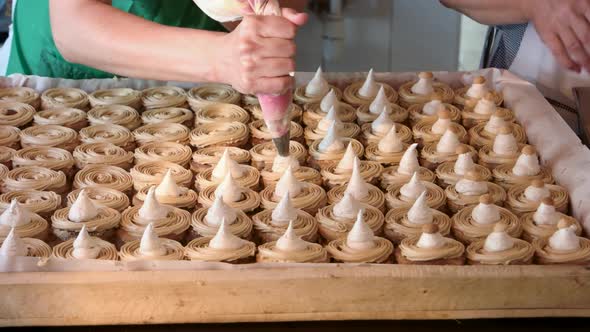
(294, 16)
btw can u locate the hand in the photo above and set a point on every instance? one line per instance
(258, 55)
(564, 26)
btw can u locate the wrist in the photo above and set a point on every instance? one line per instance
(527, 9)
(218, 59)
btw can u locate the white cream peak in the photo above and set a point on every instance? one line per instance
(526, 165)
(471, 187)
(348, 207)
(477, 90)
(152, 210)
(332, 142)
(409, 164)
(498, 241)
(357, 186)
(225, 164)
(329, 101)
(486, 214)
(361, 236)
(565, 239)
(391, 143)
(168, 186)
(281, 163)
(494, 124)
(546, 215)
(318, 86)
(219, 211)
(431, 241)
(420, 213)
(150, 244)
(382, 124)
(433, 107)
(380, 103)
(290, 241)
(535, 194)
(505, 145)
(370, 87)
(288, 183)
(229, 189)
(83, 209)
(464, 164)
(284, 212)
(85, 246)
(440, 126)
(15, 215)
(424, 86)
(225, 240)
(448, 143)
(331, 117)
(485, 107)
(347, 161)
(13, 245)
(414, 188)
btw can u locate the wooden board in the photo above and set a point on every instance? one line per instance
(338, 292)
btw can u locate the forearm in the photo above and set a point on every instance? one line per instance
(95, 34)
(493, 12)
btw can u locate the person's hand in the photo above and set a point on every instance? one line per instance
(258, 55)
(564, 26)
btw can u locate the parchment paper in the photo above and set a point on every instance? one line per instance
(558, 147)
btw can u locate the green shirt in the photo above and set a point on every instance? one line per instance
(33, 50)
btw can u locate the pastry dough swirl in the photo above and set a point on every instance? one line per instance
(151, 173)
(67, 117)
(451, 249)
(457, 201)
(218, 112)
(6, 155)
(313, 253)
(120, 115)
(186, 200)
(52, 158)
(250, 199)
(332, 227)
(351, 94)
(302, 174)
(491, 160)
(311, 198)
(220, 134)
(260, 133)
(207, 157)
(313, 114)
(446, 176)
(64, 97)
(164, 151)
(36, 228)
(264, 154)
(431, 158)
(398, 226)
(519, 204)
(117, 135)
(532, 231)
(349, 130)
(130, 251)
(16, 114)
(42, 203)
(199, 250)
(249, 179)
(241, 227)
(3, 172)
(106, 220)
(305, 226)
(162, 132)
(403, 132)
(205, 94)
(435, 197)
(504, 176)
(104, 196)
(168, 115)
(325, 159)
(408, 98)
(370, 172)
(49, 135)
(467, 230)
(173, 226)
(65, 250)
(546, 255)
(301, 98)
(521, 253)
(104, 176)
(102, 154)
(117, 96)
(398, 114)
(416, 114)
(35, 247)
(422, 132)
(162, 97)
(21, 95)
(375, 197)
(461, 97)
(380, 254)
(10, 137)
(35, 178)
(479, 137)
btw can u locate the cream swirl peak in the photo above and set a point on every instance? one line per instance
(370, 87)
(420, 213)
(83, 209)
(229, 189)
(13, 245)
(486, 212)
(505, 143)
(85, 246)
(168, 187)
(288, 183)
(449, 142)
(425, 84)
(495, 122)
(225, 164)
(357, 186)
(565, 238)
(536, 191)
(281, 163)
(152, 210)
(478, 88)
(16, 215)
(409, 164)
(318, 86)
(150, 244)
(546, 214)
(380, 104)
(332, 142)
(361, 236)
(330, 100)
(413, 188)
(431, 238)
(225, 240)
(218, 211)
(382, 124)
(527, 163)
(331, 117)
(471, 185)
(290, 241)
(348, 207)
(442, 123)
(434, 106)
(284, 212)
(464, 161)
(391, 142)
(347, 161)
(498, 240)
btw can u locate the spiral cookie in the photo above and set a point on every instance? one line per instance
(206, 158)
(218, 112)
(49, 135)
(168, 115)
(260, 133)
(67, 117)
(332, 226)
(212, 93)
(102, 225)
(10, 137)
(104, 176)
(52, 158)
(173, 251)
(162, 97)
(43, 203)
(417, 113)
(162, 132)
(151, 173)
(220, 134)
(35, 178)
(16, 114)
(264, 154)
(104, 196)
(20, 95)
(439, 89)
(116, 135)
(375, 196)
(164, 151)
(173, 226)
(120, 115)
(102, 154)
(120, 96)
(397, 114)
(64, 97)
(106, 250)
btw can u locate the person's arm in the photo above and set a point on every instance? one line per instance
(563, 25)
(298, 5)
(254, 58)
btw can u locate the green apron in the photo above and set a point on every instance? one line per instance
(33, 50)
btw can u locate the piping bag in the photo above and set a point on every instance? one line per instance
(275, 108)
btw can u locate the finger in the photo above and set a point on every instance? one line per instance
(573, 45)
(295, 17)
(555, 44)
(274, 67)
(273, 85)
(273, 27)
(276, 48)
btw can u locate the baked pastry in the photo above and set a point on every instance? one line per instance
(295, 112)
(270, 175)
(10, 137)
(64, 97)
(340, 173)
(120, 115)
(476, 91)
(505, 150)
(42, 203)
(205, 222)
(102, 154)
(361, 246)
(220, 134)
(430, 248)
(370, 112)
(271, 224)
(67, 117)
(209, 93)
(168, 115)
(3, 172)
(408, 165)
(336, 220)
(49, 135)
(208, 157)
(523, 198)
(428, 131)
(223, 247)
(563, 247)
(468, 190)
(363, 92)
(403, 195)
(477, 112)
(448, 173)
(15, 246)
(500, 248)
(306, 196)
(314, 113)
(16, 114)
(35, 178)
(263, 155)
(373, 132)
(164, 151)
(423, 89)
(408, 222)
(118, 96)
(104, 176)
(484, 133)
(429, 110)
(102, 221)
(543, 222)
(24, 222)
(525, 170)
(6, 154)
(167, 221)
(218, 112)
(345, 129)
(435, 153)
(163, 96)
(388, 151)
(21, 94)
(233, 194)
(52, 158)
(330, 150)
(250, 100)
(246, 176)
(169, 193)
(360, 189)
(314, 90)
(151, 173)
(291, 248)
(151, 247)
(117, 135)
(260, 134)
(475, 222)
(162, 132)
(85, 246)
(102, 196)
